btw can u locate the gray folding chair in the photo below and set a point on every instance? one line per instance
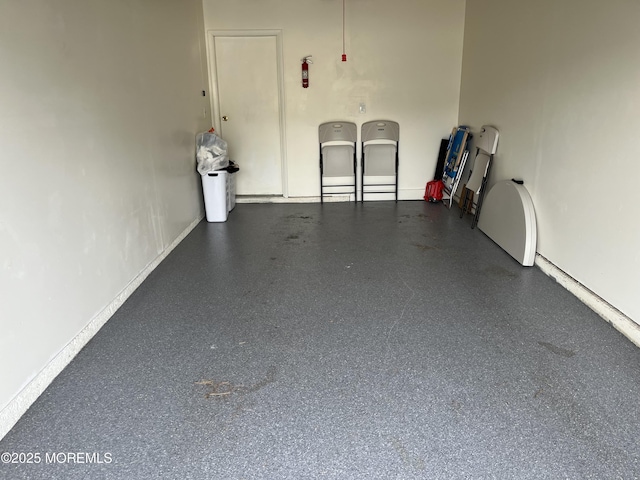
(338, 159)
(379, 169)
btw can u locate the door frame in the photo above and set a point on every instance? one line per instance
(215, 94)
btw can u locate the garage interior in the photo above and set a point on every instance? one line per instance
(343, 340)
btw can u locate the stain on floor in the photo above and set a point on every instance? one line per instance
(498, 271)
(557, 350)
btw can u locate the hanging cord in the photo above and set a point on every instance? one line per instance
(344, 53)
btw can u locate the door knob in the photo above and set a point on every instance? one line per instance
(225, 118)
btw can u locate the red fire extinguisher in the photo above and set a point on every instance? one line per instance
(305, 71)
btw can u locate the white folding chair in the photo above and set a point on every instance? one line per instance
(338, 159)
(486, 147)
(379, 169)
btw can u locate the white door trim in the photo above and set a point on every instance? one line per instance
(215, 97)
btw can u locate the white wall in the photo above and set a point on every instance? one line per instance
(101, 101)
(404, 61)
(561, 81)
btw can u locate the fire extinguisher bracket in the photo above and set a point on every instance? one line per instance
(305, 71)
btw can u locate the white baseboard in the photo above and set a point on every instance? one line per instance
(608, 312)
(19, 404)
(277, 199)
(402, 195)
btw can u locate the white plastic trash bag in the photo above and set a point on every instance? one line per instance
(211, 153)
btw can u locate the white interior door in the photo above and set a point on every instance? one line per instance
(246, 70)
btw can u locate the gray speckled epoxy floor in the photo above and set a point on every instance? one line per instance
(359, 341)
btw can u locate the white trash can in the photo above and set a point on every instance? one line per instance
(215, 188)
(231, 190)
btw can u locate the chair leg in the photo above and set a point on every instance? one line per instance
(396, 188)
(397, 165)
(362, 176)
(482, 193)
(467, 203)
(463, 203)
